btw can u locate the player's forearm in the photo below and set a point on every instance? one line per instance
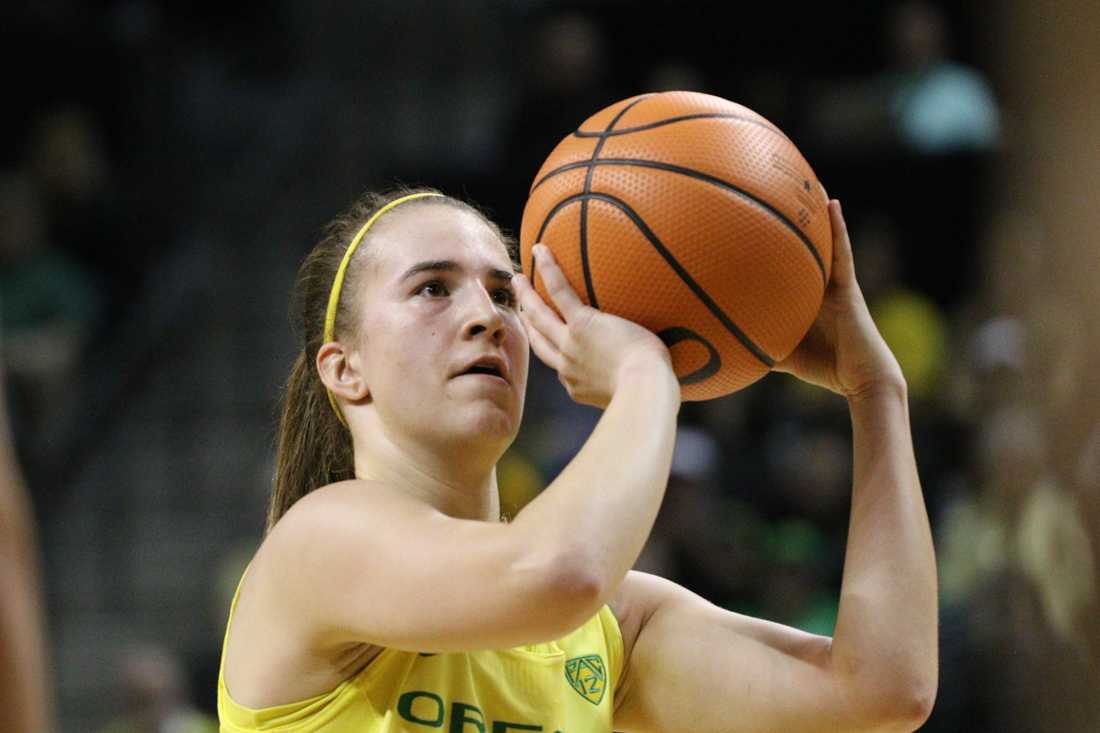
(886, 636)
(600, 509)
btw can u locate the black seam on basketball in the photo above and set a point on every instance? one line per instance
(706, 178)
(542, 230)
(674, 335)
(713, 307)
(588, 286)
(682, 118)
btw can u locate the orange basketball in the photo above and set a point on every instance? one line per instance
(695, 217)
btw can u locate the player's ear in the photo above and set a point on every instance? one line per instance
(341, 371)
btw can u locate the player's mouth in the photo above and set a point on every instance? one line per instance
(488, 366)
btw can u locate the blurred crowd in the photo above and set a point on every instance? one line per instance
(166, 120)
(51, 302)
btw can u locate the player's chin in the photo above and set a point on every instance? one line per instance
(491, 419)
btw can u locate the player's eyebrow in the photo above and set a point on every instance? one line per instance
(448, 266)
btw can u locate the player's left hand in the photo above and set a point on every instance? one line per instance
(843, 350)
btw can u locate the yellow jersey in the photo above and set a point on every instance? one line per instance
(563, 686)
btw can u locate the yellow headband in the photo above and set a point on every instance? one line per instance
(338, 283)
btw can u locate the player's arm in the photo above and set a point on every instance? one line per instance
(695, 666)
(365, 562)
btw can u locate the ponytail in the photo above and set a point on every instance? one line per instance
(314, 448)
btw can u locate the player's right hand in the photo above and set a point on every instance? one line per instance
(843, 350)
(591, 350)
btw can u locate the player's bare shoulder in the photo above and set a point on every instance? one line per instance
(331, 504)
(309, 544)
(277, 650)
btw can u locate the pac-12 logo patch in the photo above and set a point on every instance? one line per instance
(587, 676)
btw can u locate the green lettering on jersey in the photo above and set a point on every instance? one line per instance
(459, 718)
(502, 726)
(405, 708)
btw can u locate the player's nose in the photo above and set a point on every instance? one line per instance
(482, 315)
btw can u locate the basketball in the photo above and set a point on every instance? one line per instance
(695, 217)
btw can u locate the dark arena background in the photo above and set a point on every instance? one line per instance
(167, 165)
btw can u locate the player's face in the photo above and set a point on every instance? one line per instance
(436, 301)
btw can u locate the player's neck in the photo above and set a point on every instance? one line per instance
(453, 484)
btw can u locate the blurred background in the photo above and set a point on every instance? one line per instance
(167, 165)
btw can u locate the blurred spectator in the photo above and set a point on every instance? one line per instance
(809, 463)
(565, 80)
(1036, 348)
(1018, 559)
(49, 306)
(699, 538)
(798, 588)
(1056, 553)
(996, 348)
(1021, 522)
(153, 694)
(68, 161)
(568, 57)
(999, 345)
(991, 367)
(808, 470)
(912, 324)
(923, 102)
(938, 106)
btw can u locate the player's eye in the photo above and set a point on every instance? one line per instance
(505, 297)
(433, 289)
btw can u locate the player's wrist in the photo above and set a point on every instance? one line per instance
(650, 371)
(888, 388)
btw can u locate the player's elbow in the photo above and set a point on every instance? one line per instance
(908, 710)
(892, 695)
(581, 588)
(584, 588)
(900, 707)
(911, 691)
(920, 707)
(568, 592)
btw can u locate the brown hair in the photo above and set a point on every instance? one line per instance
(315, 448)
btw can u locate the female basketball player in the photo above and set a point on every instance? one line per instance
(388, 595)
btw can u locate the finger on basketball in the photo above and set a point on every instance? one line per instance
(843, 267)
(557, 286)
(536, 315)
(544, 350)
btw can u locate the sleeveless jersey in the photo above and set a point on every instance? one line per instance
(563, 686)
